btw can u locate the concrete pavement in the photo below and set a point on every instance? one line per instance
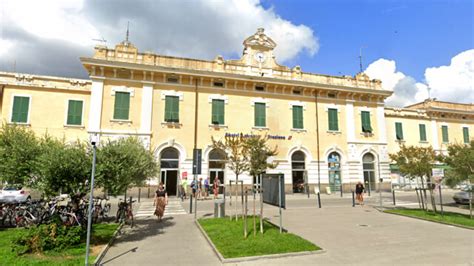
(359, 236)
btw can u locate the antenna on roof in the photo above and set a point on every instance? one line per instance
(360, 58)
(102, 40)
(127, 34)
(429, 92)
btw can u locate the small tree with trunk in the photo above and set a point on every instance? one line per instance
(417, 162)
(236, 159)
(258, 152)
(123, 163)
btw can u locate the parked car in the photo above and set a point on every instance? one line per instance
(462, 197)
(11, 193)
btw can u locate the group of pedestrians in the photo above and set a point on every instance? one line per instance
(202, 188)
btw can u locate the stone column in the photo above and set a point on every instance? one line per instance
(434, 135)
(146, 111)
(381, 123)
(350, 120)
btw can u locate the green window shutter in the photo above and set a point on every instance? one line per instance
(260, 115)
(172, 109)
(366, 127)
(399, 130)
(465, 134)
(444, 132)
(20, 109)
(422, 132)
(297, 117)
(74, 112)
(217, 112)
(122, 105)
(333, 121)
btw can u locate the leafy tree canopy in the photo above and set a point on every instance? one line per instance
(460, 160)
(257, 152)
(414, 161)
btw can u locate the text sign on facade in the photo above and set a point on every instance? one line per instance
(273, 186)
(197, 161)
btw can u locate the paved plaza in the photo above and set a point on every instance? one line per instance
(359, 235)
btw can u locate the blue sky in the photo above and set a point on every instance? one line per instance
(416, 34)
(409, 45)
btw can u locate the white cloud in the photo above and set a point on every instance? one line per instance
(197, 29)
(454, 83)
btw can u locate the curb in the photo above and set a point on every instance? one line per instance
(253, 258)
(418, 218)
(106, 248)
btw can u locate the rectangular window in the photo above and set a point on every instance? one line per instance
(260, 114)
(465, 134)
(217, 112)
(122, 105)
(399, 130)
(297, 116)
(21, 105)
(366, 127)
(172, 109)
(444, 133)
(332, 118)
(74, 113)
(422, 132)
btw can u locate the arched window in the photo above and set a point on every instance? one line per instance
(298, 171)
(334, 166)
(368, 164)
(217, 159)
(169, 158)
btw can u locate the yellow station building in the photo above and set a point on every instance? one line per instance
(330, 130)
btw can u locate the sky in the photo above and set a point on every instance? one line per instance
(418, 48)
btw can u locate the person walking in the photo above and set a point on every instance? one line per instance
(184, 185)
(206, 188)
(359, 193)
(215, 187)
(161, 200)
(199, 188)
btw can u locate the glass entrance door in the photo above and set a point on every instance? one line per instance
(170, 180)
(217, 174)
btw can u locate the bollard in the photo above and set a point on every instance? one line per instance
(440, 200)
(319, 200)
(353, 200)
(393, 197)
(148, 196)
(139, 193)
(341, 190)
(191, 203)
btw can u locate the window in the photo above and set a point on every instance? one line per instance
(172, 109)
(217, 112)
(74, 113)
(218, 84)
(422, 132)
(297, 116)
(21, 105)
(172, 80)
(259, 88)
(332, 118)
(399, 131)
(122, 105)
(298, 92)
(465, 134)
(334, 166)
(331, 95)
(444, 133)
(366, 127)
(260, 115)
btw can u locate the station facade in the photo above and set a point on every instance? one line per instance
(331, 131)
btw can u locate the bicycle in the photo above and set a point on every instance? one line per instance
(125, 212)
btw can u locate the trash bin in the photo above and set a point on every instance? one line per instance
(328, 190)
(219, 208)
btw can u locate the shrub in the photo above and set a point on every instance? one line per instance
(48, 237)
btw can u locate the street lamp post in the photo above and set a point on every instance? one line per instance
(91, 197)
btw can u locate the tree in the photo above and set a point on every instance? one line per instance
(257, 152)
(416, 162)
(62, 167)
(460, 160)
(123, 163)
(19, 150)
(236, 159)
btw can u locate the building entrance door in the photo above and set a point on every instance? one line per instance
(170, 180)
(216, 174)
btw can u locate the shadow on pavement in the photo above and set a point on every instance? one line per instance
(120, 255)
(144, 229)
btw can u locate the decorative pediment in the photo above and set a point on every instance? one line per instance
(260, 39)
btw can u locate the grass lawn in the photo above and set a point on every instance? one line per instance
(449, 217)
(72, 256)
(228, 237)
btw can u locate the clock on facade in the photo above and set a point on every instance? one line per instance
(260, 57)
